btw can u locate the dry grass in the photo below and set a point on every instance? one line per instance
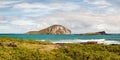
(28, 44)
(39, 46)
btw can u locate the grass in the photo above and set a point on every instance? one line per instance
(17, 49)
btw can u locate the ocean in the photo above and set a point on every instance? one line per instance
(68, 38)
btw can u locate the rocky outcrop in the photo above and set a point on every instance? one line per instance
(54, 29)
(95, 33)
(89, 42)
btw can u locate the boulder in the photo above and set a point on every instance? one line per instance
(2, 44)
(12, 44)
(54, 29)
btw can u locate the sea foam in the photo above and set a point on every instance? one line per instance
(99, 41)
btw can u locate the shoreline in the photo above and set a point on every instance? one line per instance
(92, 42)
(101, 41)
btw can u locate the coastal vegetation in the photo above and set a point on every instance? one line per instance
(21, 49)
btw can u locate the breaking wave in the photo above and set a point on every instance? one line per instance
(99, 41)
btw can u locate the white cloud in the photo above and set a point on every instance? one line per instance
(22, 22)
(114, 3)
(3, 20)
(30, 6)
(7, 3)
(4, 27)
(2, 17)
(38, 7)
(108, 27)
(97, 2)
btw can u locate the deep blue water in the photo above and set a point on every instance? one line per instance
(112, 38)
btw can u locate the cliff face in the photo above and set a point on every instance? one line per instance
(54, 29)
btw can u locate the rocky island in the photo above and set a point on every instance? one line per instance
(54, 29)
(95, 33)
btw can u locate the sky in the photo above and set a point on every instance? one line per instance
(80, 16)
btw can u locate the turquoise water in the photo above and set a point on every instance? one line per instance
(69, 38)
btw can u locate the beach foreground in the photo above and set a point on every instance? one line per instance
(17, 49)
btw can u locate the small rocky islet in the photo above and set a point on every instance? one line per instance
(95, 33)
(54, 29)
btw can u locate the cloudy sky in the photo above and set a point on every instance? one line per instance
(80, 16)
